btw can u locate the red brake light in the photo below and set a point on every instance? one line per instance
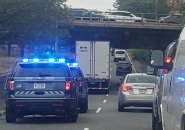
(168, 60)
(11, 85)
(126, 88)
(68, 86)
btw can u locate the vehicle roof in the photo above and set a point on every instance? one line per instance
(119, 50)
(136, 74)
(117, 11)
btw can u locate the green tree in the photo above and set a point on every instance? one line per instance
(142, 6)
(31, 21)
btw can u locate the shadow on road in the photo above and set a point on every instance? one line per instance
(41, 120)
(138, 110)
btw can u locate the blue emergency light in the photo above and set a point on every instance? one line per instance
(50, 60)
(25, 60)
(36, 60)
(72, 64)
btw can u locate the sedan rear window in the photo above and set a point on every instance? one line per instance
(141, 79)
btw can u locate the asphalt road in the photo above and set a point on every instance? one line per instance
(102, 115)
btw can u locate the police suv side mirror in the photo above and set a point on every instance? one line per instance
(157, 59)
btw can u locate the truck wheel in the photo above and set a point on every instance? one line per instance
(117, 73)
(84, 106)
(10, 115)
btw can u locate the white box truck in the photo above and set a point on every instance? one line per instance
(94, 60)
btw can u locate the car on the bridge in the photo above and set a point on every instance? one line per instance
(84, 14)
(172, 18)
(42, 87)
(77, 73)
(123, 68)
(137, 89)
(123, 16)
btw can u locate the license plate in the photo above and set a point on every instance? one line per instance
(39, 86)
(142, 91)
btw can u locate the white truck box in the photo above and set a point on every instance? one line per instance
(94, 60)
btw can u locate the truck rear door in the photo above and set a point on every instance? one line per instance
(83, 57)
(102, 59)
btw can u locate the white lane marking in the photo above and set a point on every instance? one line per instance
(98, 110)
(107, 95)
(110, 76)
(86, 128)
(110, 68)
(105, 101)
(131, 62)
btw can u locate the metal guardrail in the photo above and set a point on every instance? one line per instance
(145, 17)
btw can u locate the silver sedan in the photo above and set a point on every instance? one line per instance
(137, 89)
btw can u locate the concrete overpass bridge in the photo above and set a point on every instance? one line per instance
(151, 35)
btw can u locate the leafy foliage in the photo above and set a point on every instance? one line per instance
(31, 21)
(140, 55)
(142, 6)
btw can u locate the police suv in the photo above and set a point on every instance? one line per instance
(172, 105)
(42, 87)
(82, 86)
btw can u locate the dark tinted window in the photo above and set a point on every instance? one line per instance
(38, 70)
(74, 72)
(141, 79)
(120, 52)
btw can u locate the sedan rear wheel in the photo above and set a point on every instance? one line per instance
(120, 108)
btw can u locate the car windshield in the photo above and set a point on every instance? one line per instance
(141, 79)
(40, 71)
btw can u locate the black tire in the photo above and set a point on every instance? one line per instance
(120, 108)
(156, 124)
(106, 91)
(72, 116)
(84, 106)
(10, 115)
(117, 73)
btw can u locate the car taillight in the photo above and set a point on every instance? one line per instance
(126, 88)
(68, 86)
(168, 60)
(11, 85)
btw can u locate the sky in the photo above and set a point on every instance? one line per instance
(101, 5)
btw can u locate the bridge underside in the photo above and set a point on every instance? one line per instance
(127, 38)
